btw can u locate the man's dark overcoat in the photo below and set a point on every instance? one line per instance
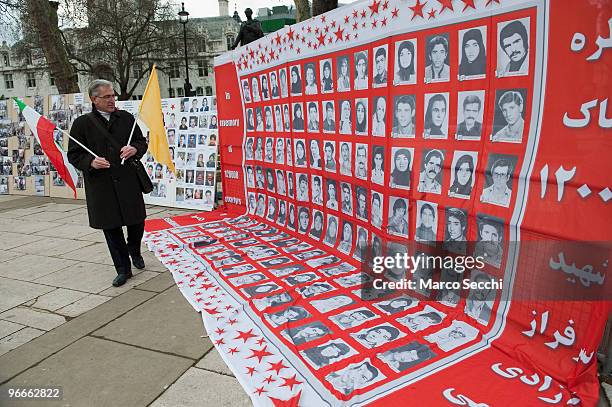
(114, 197)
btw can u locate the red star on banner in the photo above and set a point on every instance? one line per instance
(259, 354)
(220, 331)
(228, 307)
(316, 30)
(272, 55)
(363, 14)
(200, 300)
(211, 311)
(199, 275)
(468, 3)
(395, 13)
(329, 40)
(323, 18)
(355, 26)
(374, 7)
(339, 34)
(333, 24)
(269, 379)
(290, 46)
(432, 13)
(355, 13)
(417, 9)
(290, 34)
(260, 341)
(172, 107)
(290, 382)
(492, 1)
(220, 341)
(298, 50)
(385, 5)
(277, 38)
(347, 37)
(346, 19)
(277, 367)
(321, 39)
(363, 25)
(262, 58)
(446, 4)
(231, 351)
(245, 335)
(374, 23)
(205, 286)
(292, 402)
(251, 371)
(383, 22)
(309, 29)
(260, 390)
(326, 29)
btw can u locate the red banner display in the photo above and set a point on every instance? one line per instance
(479, 127)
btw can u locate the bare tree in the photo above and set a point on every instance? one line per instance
(323, 6)
(43, 27)
(302, 10)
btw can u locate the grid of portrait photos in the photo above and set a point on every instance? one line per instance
(192, 129)
(418, 137)
(24, 168)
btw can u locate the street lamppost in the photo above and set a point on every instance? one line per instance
(183, 19)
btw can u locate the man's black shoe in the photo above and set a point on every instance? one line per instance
(138, 262)
(120, 280)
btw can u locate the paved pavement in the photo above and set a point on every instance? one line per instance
(63, 324)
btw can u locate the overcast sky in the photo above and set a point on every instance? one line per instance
(210, 8)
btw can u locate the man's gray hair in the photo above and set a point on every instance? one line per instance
(97, 83)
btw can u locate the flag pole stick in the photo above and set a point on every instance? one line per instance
(78, 142)
(131, 132)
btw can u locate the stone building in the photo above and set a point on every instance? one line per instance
(25, 74)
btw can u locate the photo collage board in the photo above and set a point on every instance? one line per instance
(191, 130)
(419, 137)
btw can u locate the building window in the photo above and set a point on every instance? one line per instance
(6, 59)
(230, 41)
(209, 91)
(28, 57)
(137, 70)
(180, 92)
(199, 91)
(202, 68)
(8, 81)
(51, 79)
(171, 92)
(31, 79)
(202, 45)
(174, 70)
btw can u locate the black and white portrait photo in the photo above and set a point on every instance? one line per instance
(361, 246)
(380, 75)
(346, 237)
(298, 117)
(295, 85)
(437, 61)
(479, 302)
(290, 185)
(397, 304)
(361, 161)
(306, 333)
(361, 70)
(346, 117)
(353, 317)
(302, 188)
(259, 124)
(331, 232)
(317, 190)
(405, 62)
(303, 220)
(269, 150)
(274, 90)
(255, 89)
(427, 222)
(463, 175)
(345, 158)
(362, 202)
(273, 300)
(455, 230)
(325, 73)
(404, 110)
(291, 216)
(265, 87)
(398, 216)
(281, 187)
(513, 47)
(280, 151)
(499, 176)
(278, 118)
(329, 156)
(303, 278)
(436, 116)
(331, 194)
(300, 152)
(332, 303)
(472, 53)
(271, 209)
(261, 205)
(378, 165)
(470, 112)
(250, 123)
(329, 117)
(261, 289)
(378, 335)
(314, 289)
(401, 167)
(376, 209)
(328, 353)
(246, 92)
(457, 334)
(355, 376)
(449, 295)
(430, 177)
(289, 314)
(316, 231)
(361, 117)
(310, 73)
(343, 73)
(406, 356)
(315, 154)
(490, 243)
(286, 117)
(347, 198)
(313, 117)
(379, 116)
(509, 119)
(270, 180)
(423, 319)
(282, 76)
(282, 213)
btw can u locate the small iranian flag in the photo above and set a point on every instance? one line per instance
(43, 128)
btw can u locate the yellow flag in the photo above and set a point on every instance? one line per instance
(150, 113)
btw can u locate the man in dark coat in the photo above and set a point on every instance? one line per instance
(112, 189)
(250, 30)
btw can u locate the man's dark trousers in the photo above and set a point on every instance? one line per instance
(120, 250)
